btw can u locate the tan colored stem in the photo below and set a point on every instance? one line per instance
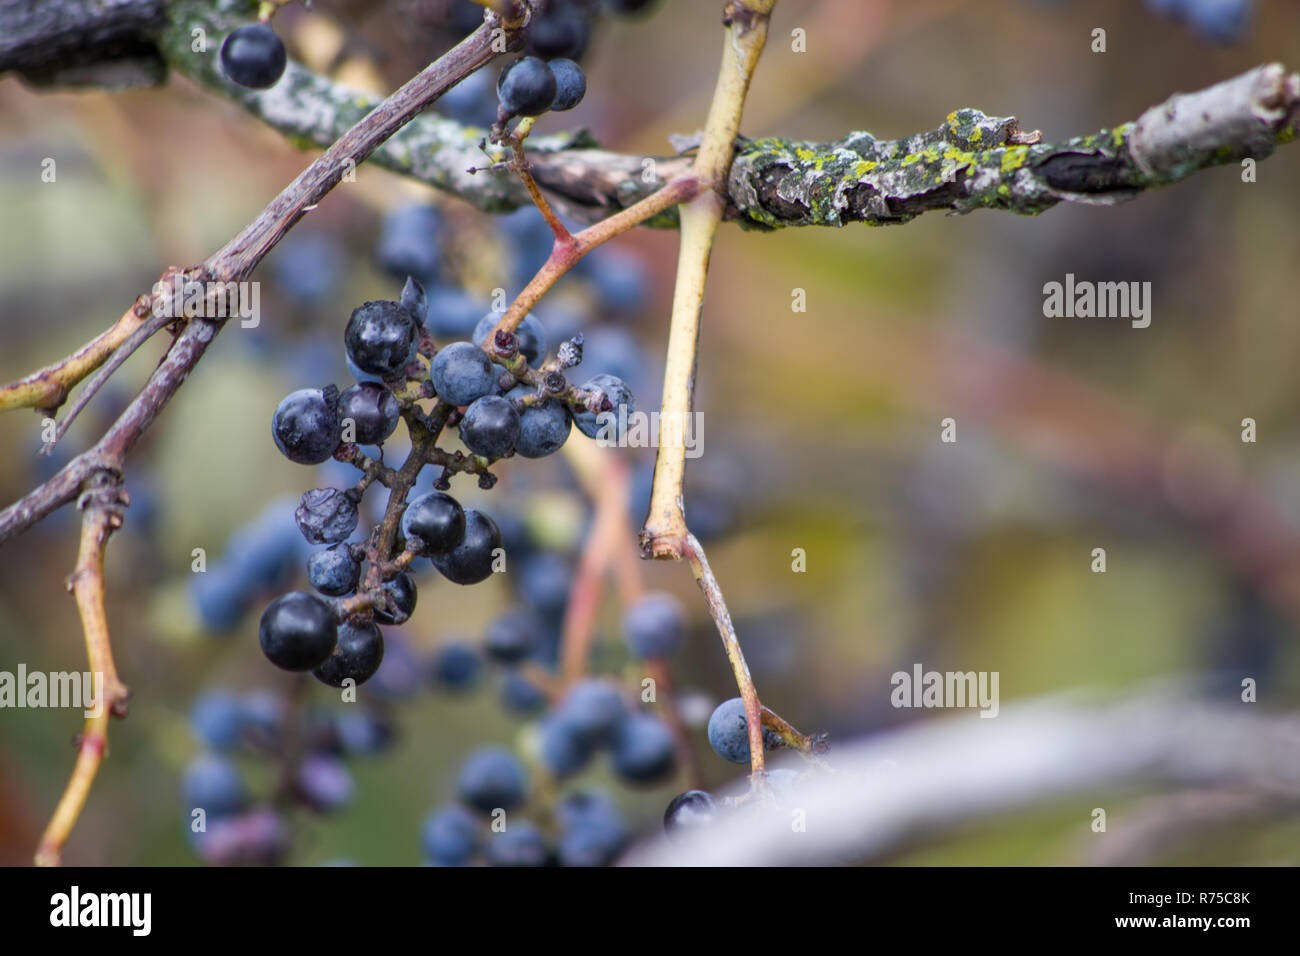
(664, 533)
(102, 517)
(48, 388)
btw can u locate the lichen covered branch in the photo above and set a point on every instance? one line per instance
(976, 161)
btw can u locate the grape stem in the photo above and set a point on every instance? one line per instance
(102, 505)
(664, 533)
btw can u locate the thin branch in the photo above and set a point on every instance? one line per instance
(237, 259)
(103, 503)
(47, 388)
(664, 533)
(694, 553)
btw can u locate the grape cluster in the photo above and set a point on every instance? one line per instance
(505, 400)
(225, 822)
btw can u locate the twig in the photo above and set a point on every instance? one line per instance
(694, 553)
(48, 388)
(103, 503)
(665, 531)
(237, 259)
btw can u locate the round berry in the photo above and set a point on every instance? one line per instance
(471, 561)
(655, 625)
(461, 373)
(297, 631)
(642, 750)
(519, 695)
(410, 243)
(333, 570)
(688, 812)
(513, 636)
(493, 779)
(526, 87)
(358, 654)
(610, 426)
(519, 844)
(561, 747)
(490, 427)
(530, 336)
(306, 425)
(450, 836)
(373, 411)
(253, 56)
(559, 32)
(400, 594)
(570, 85)
(433, 524)
(729, 732)
(456, 666)
(543, 580)
(543, 427)
(217, 719)
(594, 709)
(213, 784)
(380, 338)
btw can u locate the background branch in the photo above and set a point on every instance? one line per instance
(936, 775)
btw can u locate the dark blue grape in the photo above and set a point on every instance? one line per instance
(306, 425)
(452, 313)
(542, 580)
(594, 709)
(493, 779)
(214, 785)
(410, 242)
(307, 267)
(519, 695)
(562, 748)
(333, 570)
(400, 595)
(520, 844)
(543, 427)
(530, 336)
(608, 426)
(729, 732)
(490, 427)
(471, 561)
(570, 84)
(217, 719)
(560, 32)
(433, 524)
(220, 596)
(526, 87)
(461, 373)
(356, 657)
(655, 625)
(373, 411)
(513, 636)
(642, 750)
(450, 836)
(297, 631)
(456, 666)
(380, 338)
(253, 56)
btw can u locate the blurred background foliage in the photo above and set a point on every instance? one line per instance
(821, 428)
